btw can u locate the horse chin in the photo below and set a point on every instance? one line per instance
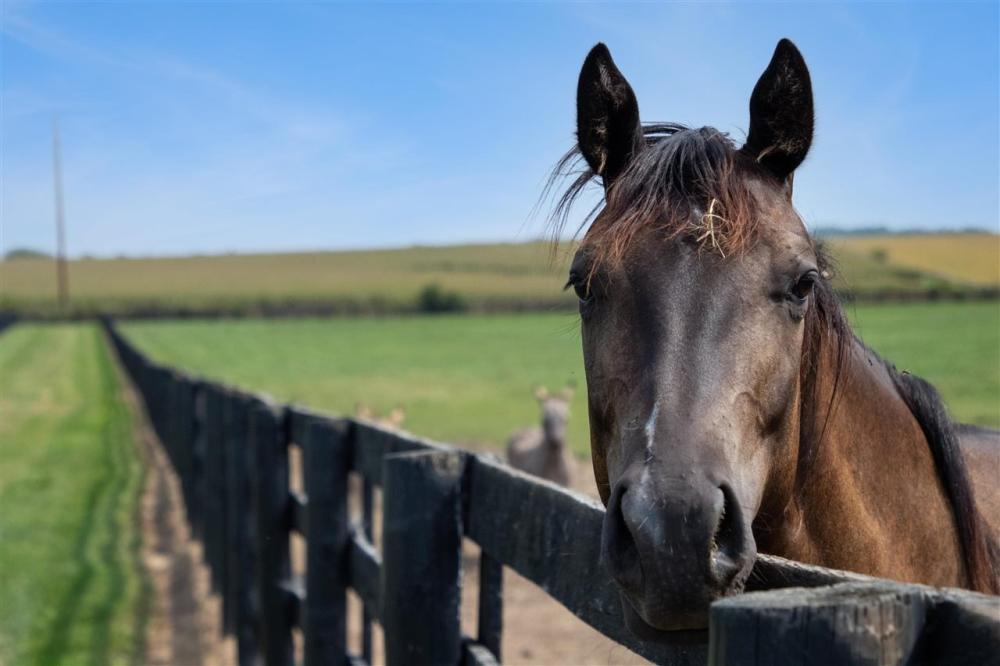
(679, 629)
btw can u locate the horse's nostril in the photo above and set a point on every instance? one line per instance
(729, 546)
(621, 555)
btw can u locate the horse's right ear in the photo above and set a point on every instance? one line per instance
(781, 113)
(607, 116)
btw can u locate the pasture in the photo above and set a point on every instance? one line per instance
(72, 588)
(969, 258)
(485, 277)
(468, 379)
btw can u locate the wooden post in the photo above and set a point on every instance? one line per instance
(490, 624)
(270, 508)
(165, 426)
(853, 623)
(367, 528)
(196, 444)
(62, 274)
(422, 557)
(326, 463)
(214, 484)
(242, 614)
(178, 419)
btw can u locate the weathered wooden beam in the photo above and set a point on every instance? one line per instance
(369, 610)
(490, 617)
(373, 444)
(326, 460)
(364, 571)
(552, 537)
(214, 483)
(240, 610)
(422, 557)
(197, 446)
(875, 622)
(269, 481)
(772, 573)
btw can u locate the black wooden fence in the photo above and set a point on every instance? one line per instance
(7, 320)
(230, 450)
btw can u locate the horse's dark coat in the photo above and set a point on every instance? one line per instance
(725, 386)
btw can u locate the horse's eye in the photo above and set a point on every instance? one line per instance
(581, 286)
(804, 285)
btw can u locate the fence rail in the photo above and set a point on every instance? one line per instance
(230, 450)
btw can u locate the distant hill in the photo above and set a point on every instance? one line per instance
(25, 253)
(498, 277)
(886, 231)
(964, 257)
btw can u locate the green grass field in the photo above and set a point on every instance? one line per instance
(71, 589)
(485, 276)
(468, 379)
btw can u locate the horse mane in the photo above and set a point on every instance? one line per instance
(681, 171)
(979, 549)
(826, 327)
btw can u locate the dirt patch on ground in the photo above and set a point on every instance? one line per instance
(184, 627)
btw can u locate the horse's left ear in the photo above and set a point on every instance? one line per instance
(781, 113)
(607, 116)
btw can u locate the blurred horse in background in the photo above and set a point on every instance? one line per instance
(543, 451)
(392, 421)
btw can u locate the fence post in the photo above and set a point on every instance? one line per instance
(490, 625)
(422, 557)
(195, 442)
(177, 420)
(878, 622)
(269, 479)
(326, 463)
(367, 528)
(240, 611)
(214, 484)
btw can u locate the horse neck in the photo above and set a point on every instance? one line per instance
(552, 443)
(867, 496)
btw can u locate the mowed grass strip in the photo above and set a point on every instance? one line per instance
(469, 379)
(72, 590)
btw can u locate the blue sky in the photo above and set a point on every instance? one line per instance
(210, 127)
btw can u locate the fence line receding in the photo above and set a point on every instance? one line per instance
(231, 449)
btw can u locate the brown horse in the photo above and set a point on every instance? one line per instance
(732, 410)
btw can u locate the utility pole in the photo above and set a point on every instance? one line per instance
(62, 275)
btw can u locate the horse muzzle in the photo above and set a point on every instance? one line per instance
(673, 544)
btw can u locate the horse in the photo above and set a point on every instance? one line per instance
(732, 409)
(392, 421)
(542, 451)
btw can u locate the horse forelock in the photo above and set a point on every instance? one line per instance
(684, 182)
